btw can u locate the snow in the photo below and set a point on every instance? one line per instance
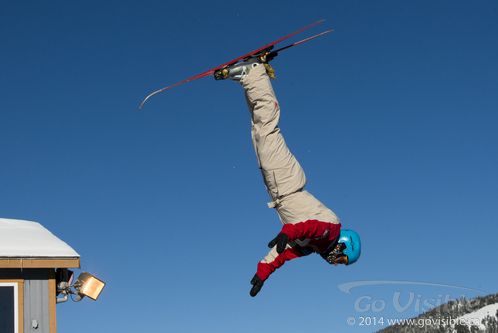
(26, 239)
(475, 318)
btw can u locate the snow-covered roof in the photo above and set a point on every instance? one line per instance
(26, 239)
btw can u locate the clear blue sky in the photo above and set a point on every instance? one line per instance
(393, 116)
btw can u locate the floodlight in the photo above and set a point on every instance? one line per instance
(88, 285)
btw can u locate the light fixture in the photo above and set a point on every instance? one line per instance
(86, 285)
(89, 285)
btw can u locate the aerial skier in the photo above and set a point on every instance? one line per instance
(308, 225)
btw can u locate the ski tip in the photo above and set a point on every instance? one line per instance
(149, 96)
(140, 107)
(320, 21)
(327, 31)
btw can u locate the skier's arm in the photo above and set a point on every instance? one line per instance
(275, 260)
(271, 262)
(307, 229)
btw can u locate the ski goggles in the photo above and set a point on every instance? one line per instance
(336, 253)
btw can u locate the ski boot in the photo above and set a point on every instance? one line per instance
(241, 69)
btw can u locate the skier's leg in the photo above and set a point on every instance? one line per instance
(281, 171)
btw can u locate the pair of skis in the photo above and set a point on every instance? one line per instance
(267, 49)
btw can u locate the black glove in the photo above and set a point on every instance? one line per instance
(257, 284)
(281, 242)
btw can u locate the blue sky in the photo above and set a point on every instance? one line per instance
(393, 117)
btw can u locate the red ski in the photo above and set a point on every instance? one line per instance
(266, 47)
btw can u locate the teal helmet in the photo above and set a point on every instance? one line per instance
(351, 240)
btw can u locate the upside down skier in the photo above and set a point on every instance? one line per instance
(308, 225)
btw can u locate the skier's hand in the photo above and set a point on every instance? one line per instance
(281, 242)
(257, 284)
